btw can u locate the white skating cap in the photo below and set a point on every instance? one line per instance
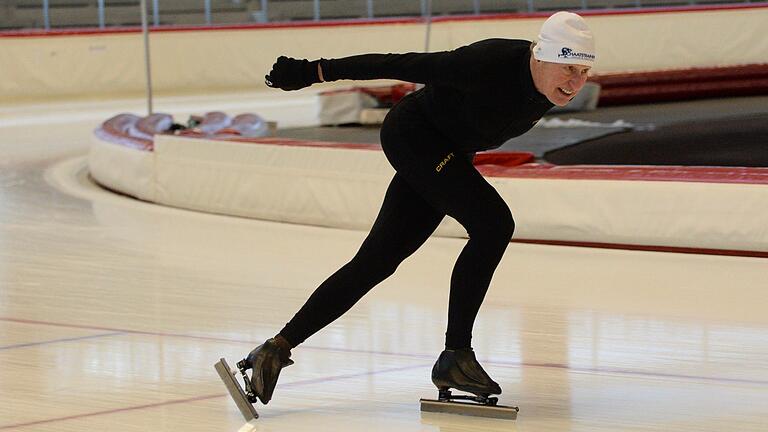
(565, 38)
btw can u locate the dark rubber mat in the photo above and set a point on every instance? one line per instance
(733, 141)
(541, 140)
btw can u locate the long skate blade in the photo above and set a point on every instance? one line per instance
(470, 409)
(235, 391)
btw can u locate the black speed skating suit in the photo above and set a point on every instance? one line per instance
(476, 97)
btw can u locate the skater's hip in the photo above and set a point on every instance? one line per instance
(412, 142)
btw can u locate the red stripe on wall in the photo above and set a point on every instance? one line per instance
(668, 249)
(369, 22)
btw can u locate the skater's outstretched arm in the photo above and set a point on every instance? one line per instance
(456, 68)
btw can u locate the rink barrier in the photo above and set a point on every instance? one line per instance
(665, 208)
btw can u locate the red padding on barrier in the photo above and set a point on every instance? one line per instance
(664, 86)
(683, 91)
(741, 175)
(390, 94)
(385, 95)
(505, 159)
(753, 71)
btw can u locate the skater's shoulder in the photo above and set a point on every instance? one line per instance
(502, 44)
(497, 51)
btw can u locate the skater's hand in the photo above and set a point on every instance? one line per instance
(292, 74)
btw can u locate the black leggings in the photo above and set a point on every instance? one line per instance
(431, 181)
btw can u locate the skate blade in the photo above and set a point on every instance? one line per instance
(470, 409)
(235, 391)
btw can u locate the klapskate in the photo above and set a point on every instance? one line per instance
(460, 370)
(266, 361)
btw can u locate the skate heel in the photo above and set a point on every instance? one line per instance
(244, 365)
(444, 393)
(247, 363)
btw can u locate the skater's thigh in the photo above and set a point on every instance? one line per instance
(405, 221)
(443, 177)
(452, 185)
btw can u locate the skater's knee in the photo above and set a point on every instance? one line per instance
(505, 224)
(495, 222)
(509, 227)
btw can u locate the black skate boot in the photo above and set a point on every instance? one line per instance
(459, 369)
(266, 360)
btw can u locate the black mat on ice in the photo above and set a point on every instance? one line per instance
(344, 134)
(733, 141)
(540, 140)
(537, 141)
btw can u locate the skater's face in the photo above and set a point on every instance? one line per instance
(558, 82)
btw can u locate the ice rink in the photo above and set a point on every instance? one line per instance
(113, 312)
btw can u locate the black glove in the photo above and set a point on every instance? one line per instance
(292, 74)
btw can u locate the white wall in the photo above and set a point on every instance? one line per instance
(205, 60)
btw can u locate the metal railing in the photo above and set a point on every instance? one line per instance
(54, 14)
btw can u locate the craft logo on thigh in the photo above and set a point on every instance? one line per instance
(445, 161)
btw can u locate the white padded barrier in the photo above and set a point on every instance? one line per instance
(343, 186)
(654, 213)
(304, 185)
(123, 168)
